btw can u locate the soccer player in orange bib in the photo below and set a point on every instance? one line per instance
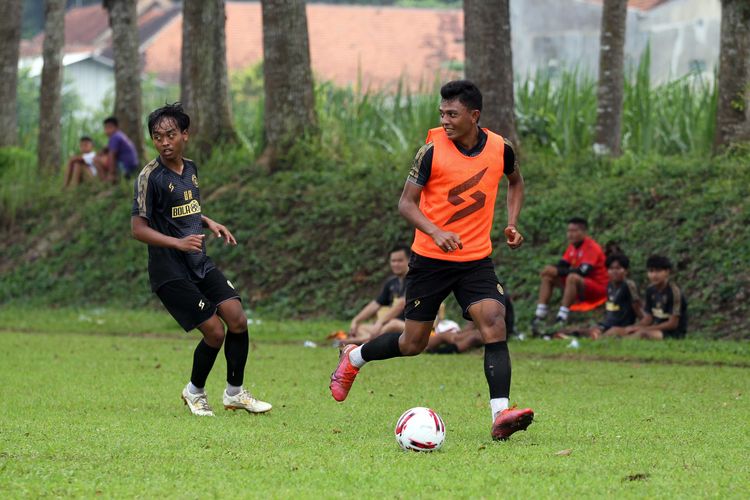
(449, 197)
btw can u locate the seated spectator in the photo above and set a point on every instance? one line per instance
(666, 307)
(81, 166)
(581, 274)
(448, 338)
(122, 154)
(391, 297)
(623, 307)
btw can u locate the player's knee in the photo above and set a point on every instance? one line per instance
(215, 337)
(412, 348)
(493, 329)
(237, 323)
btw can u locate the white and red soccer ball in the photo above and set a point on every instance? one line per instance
(420, 429)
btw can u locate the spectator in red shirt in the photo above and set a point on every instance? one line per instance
(581, 273)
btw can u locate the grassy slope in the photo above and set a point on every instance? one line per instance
(101, 415)
(312, 239)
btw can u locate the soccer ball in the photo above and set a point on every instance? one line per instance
(420, 429)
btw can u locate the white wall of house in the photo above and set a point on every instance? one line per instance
(93, 81)
(92, 78)
(684, 37)
(554, 34)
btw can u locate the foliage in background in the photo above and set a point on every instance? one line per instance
(313, 237)
(559, 112)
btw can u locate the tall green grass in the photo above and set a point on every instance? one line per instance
(556, 113)
(559, 112)
(678, 117)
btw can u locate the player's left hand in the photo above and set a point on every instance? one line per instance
(221, 231)
(513, 238)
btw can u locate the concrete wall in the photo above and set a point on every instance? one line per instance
(684, 37)
(552, 34)
(92, 81)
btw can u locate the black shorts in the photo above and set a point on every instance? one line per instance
(430, 281)
(191, 304)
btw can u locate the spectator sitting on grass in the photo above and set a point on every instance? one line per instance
(122, 154)
(623, 307)
(81, 166)
(391, 297)
(581, 273)
(666, 306)
(448, 338)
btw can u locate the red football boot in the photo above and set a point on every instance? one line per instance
(343, 377)
(511, 420)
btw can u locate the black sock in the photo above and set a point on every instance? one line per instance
(383, 347)
(203, 360)
(236, 346)
(497, 369)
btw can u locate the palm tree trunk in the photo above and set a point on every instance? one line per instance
(10, 38)
(123, 19)
(289, 96)
(489, 63)
(733, 113)
(205, 93)
(50, 99)
(611, 77)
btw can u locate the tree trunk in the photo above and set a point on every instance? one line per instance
(50, 98)
(611, 77)
(186, 91)
(489, 63)
(205, 91)
(10, 38)
(289, 96)
(123, 19)
(733, 113)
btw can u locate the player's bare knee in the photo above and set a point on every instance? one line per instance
(214, 337)
(494, 332)
(237, 323)
(412, 348)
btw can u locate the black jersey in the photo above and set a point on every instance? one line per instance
(663, 304)
(172, 205)
(392, 290)
(619, 309)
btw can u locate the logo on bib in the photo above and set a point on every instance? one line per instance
(455, 199)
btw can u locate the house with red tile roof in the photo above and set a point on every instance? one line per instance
(378, 47)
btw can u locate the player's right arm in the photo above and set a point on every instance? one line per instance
(141, 231)
(408, 207)
(145, 193)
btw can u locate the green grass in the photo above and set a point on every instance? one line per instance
(92, 414)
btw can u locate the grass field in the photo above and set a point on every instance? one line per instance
(84, 415)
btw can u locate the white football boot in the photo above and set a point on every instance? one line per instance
(198, 403)
(245, 401)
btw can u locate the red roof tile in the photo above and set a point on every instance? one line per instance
(380, 44)
(639, 4)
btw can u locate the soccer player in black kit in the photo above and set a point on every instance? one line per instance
(167, 216)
